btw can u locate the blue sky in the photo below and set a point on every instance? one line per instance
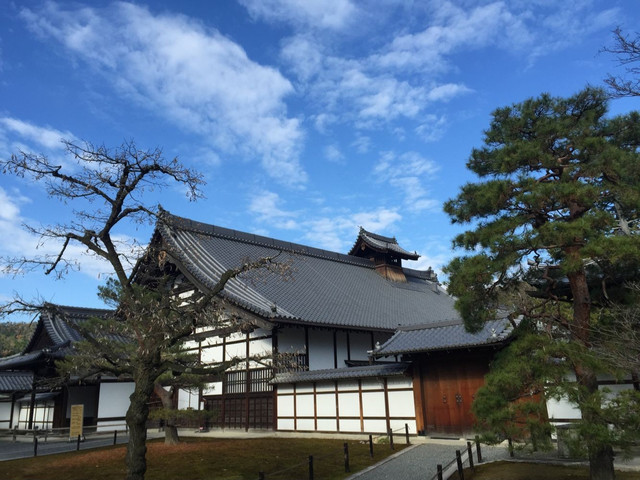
(308, 118)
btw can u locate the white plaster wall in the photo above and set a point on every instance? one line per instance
(562, 409)
(306, 424)
(304, 405)
(372, 383)
(236, 350)
(113, 400)
(399, 382)
(326, 404)
(213, 388)
(285, 388)
(349, 405)
(111, 425)
(188, 399)
(375, 425)
(320, 349)
(348, 385)
(397, 425)
(5, 414)
(285, 406)
(325, 387)
(327, 424)
(401, 404)
(212, 354)
(349, 425)
(285, 424)
(373, 404)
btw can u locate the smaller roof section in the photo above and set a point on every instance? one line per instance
(443, 336)
(367, 371)
(16, 381)
(380, 244)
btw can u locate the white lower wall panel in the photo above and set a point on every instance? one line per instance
(401, 403)
(306, 424)
(285, 424)
(349, 425)
(375, 425)
(327, 424)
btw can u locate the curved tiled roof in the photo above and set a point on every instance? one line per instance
(376, 370)
(443, 336)
(58, 323)
(321, 288)
(382, 244)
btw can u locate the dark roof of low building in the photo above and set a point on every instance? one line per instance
(53, 335)
(321, 288)
(443, 336)
(375, 370)
(383, 244)
(16, 381)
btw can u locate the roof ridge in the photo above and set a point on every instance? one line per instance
(183, 223)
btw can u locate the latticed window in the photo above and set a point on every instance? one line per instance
(236, 381)
(292, 362)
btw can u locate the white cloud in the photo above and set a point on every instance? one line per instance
(333, 154)
(329, 14)
(16, 242)
(196, 77)
(432, 127)
(407, 173)
(265, 205)
(332, 231)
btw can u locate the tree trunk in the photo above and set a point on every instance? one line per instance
(600, 453)
(170, 429)
(137, 416)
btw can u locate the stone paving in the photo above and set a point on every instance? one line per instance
(419, 462)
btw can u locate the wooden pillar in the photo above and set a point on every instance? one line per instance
(418, 397)
(386, 404)
(335, 383)
(315, 406)
(361, 405)
(247, 380)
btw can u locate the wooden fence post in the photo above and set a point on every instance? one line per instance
(346, 457)
(459, 460)
(35, 446)
(406, 433)
(470, 453)
(511, 454)
(440, 477)
(310, 467)
(260, 475)
(115, 436)
(391, 439)
(478, 449)
(371, 446)
(78, 444)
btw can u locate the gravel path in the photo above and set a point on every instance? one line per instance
(419, 462)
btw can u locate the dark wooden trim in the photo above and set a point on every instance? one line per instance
(335, 349)
(337, 406)
(361, 405)
(109, 419)
(295, 409)
(418, 398)
(348, 347)
(364, 390)
(247, 385)
(386, 404)
(306, 342)
(315, 407)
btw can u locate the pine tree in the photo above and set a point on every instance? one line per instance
(559, 186)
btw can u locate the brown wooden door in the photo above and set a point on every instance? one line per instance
(448, 390)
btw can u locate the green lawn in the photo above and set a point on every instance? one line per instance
(206, 459)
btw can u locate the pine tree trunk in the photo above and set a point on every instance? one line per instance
(600, 454)
(171, 436)
(137, 416)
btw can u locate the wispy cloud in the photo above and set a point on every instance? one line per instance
(332, 230)
(199, 79)
(329, 14)
(407, 173)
